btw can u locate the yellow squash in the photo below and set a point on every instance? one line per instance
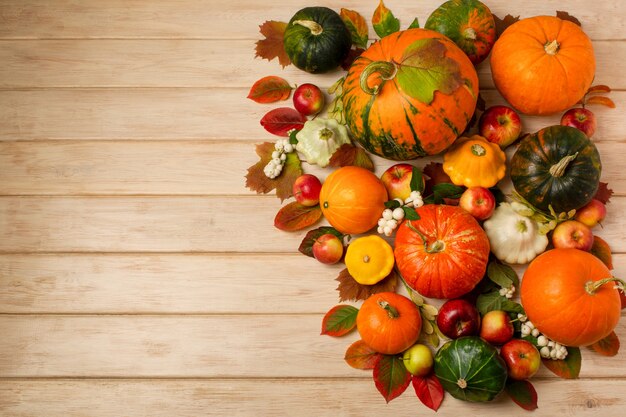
(369, 259)
(474, 162)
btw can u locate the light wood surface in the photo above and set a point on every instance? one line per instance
(138, 275)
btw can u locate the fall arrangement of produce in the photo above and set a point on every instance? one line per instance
(490, 197)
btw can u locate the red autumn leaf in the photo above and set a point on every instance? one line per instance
(360, 356)
(604, 101)
(604, 193)
(428, 390)
(349, 59)
(522, 393)
(350, 290)
(348, 154)
(599, 89)
(566, 16)
(339, 321)
(569, 368)
(269, 90)
(272, 46)
(390, 376)
(609, 346)
(256, 180)
(357, 26)
(282, 120)
(502, 24)
(294, 216)
(601, 250)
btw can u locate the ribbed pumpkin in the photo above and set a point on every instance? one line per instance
(410, 95)
(543, 65)
(444, 254)
(352, 199)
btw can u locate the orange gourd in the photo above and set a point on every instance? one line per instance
(570, 296)
(352, 199)
(444, 254)
(389, 323)
(543, 65)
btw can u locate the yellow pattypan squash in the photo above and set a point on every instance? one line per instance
(369, 259)
(474, 162)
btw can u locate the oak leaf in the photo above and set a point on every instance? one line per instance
(272, 46)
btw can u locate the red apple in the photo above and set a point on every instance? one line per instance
(496, 327)
(522, 359)
(308, 99)
(397, 180)
(572, 234)
(458, 318)
(580, 118)
(306, 190)
(479, 202)
(328, 249)
(418, 360)
(501, 125)
(591, 214)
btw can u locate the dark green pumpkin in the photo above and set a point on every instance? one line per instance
(470, 369)
(469, 23)
(556, 166)
(317, 40)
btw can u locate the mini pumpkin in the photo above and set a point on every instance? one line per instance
(475, 162)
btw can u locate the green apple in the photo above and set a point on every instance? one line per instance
(418, 360)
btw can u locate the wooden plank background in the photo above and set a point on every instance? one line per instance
(138, 275)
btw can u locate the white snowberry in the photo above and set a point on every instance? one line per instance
(398, 213)
(387, 214)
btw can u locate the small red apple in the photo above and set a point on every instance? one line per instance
(572, 234)
(501, 125)
(496, 327)
(479, 202)
(458, 318)
(328, 249)
(591, 214)
(306, 190)
(580, 118)
(521, 357)
(308, 99)
(397, 180)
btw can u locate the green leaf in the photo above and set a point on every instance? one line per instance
(502, 274)
(424, 69)
(340, 320)
(522, 393)
(392, 204)
(292, 137)
(410, 213)
(417, 180)
(306, 247)
(569, 368)
(357, 26)
(384, 22)
(414, 24)
(391, 377)
(489, 301)
(444, 190)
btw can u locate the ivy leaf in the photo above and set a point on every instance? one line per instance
(502, 24)
(353, 54)
(604, 193)
(360, 356)
(270, 89)
(604, 101)
(566, 16)
(601, 250)
(357, 26)
(428, 390)
(609, 346)
(348, 154)
(414, 24)
(425, 68)
(339, 321)
(390, 376)
(282, 120)
(384, 22)
(522, 393)
(257, 181)
(417, 180)
(350, 290)
(502, 274)
(294, 216)
(569, 368)
(272, 46)
(306, 247)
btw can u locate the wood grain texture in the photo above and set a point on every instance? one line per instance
(276, 397)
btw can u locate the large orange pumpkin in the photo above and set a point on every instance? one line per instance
(389, 323)
(444, 254)
(543, 65)
(565, 297)
(352, 199)
(410, 94)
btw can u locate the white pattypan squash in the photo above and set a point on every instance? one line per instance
(319, 139)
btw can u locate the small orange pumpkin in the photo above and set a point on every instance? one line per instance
(389, 323)
(569, 295)
(543, 64)
(352, 199)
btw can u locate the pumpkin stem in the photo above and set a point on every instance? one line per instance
(391, 310)
(437, 245)
(469, 33)
(592, 286)
(551, 48)
(387, 70)
(558, 169)
(462, 383)
(314, 27)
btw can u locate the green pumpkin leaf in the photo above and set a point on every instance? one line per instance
(360, 356)
(502, 274)
(609, 346)
(417, 180)
(306, 247)
(522, 393)
(415, 24)
(391, 377)
(384, 22)
(424, 69)
(569, 368)
(357, 26)
(340, 320)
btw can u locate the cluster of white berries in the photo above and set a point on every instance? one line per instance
(414, 200)
(507, 292)
(275, 166)
(391, 218)
(548, 349)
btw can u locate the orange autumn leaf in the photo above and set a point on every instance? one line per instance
(384, 22)
(609, 346)
(360, 356)
(604, 101)
(270, 89)
(257, 181)
(348, 154)
(357, 26)
(599, 89)
(294, 216)
(272, 46)
(601, 250)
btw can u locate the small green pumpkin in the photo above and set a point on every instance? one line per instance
(557, 166)
(470, 369)
(316, 39)
(469, 23)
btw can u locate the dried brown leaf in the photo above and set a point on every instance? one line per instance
(566, 16)
(350, 290)
(604, 193)
(348, 154)
(257, 181)
(272, 46)
(502, 24)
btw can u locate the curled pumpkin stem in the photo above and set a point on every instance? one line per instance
(593, 286)
(387, 71)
